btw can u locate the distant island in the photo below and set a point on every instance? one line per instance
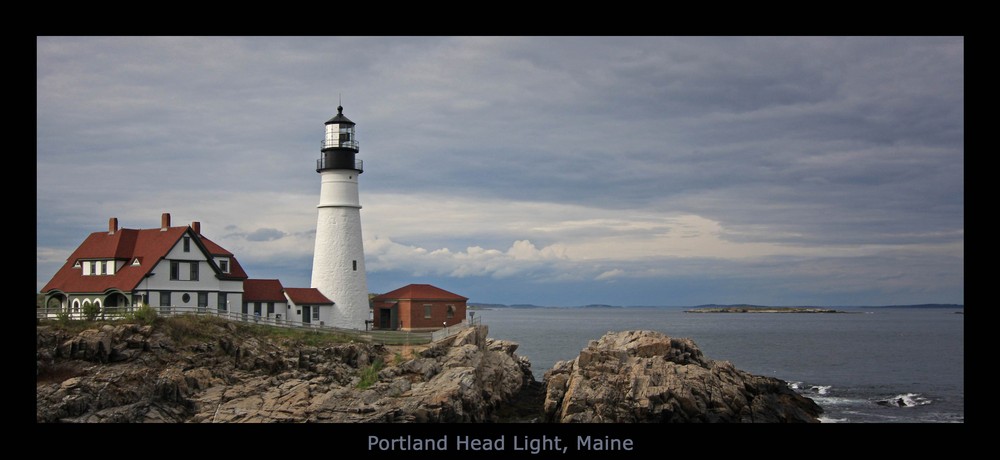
(758, 309)
(925, 305)
(715, 308)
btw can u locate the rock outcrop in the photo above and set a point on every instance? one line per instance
(131, 373)
(206, 370)
(646, 376)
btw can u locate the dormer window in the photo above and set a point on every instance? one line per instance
(224, 265)
(93, 267)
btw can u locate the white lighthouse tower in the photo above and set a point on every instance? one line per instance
(339, 257)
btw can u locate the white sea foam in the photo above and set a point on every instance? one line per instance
(794, 385)
(904, 400)
(820, 389)
(831, 420)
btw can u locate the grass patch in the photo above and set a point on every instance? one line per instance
(305, 337)
(73, 326)
(184, 329)
(191, 328)
(369, 375)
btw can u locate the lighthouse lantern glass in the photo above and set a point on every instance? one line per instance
(340, 135)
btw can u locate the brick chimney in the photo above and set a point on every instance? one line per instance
(164, 221)
(196, 226)
(112, 225)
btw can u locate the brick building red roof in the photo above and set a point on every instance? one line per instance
(148, 245)
(307, 296)
(420, 291)
(263, 291)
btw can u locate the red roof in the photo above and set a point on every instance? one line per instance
(310, 296)
(263, 291)
(420, 291)
(148, 245)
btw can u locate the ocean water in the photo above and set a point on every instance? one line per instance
(875, 365)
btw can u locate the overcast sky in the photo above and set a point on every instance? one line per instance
(546, 170)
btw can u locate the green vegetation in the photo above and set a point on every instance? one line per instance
(91, 310)
(143, 314)
(63, 318)
(369, 375)
(190, 328)
(307, 337)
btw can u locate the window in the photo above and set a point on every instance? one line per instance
(451, 311)
(224, 265)
(104, 267)
(202, 301)
(315, 310)
(187, 244)
(427, 311)
(175, 270)
(223, 303)
(256, 308)
(186, 297)
(194, 271)
(165, 301)
(355, 265)
(270, 308)
(93, 267)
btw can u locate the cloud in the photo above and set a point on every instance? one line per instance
(265, 234)
(523, 159)
(610, 274)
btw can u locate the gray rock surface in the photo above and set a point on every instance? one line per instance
(132, 373)
(212, 370)
(646, 376)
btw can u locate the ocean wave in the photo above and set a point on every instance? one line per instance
(820, 389)
(811, 389)
(832, 420)
(904, 400)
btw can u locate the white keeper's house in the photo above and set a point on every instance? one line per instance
(172, 267)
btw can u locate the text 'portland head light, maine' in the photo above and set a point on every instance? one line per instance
(339, 258)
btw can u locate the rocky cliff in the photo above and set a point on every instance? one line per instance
(224, 373)
(211, 370)
(646, 376)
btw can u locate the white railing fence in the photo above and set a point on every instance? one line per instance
(386, 337)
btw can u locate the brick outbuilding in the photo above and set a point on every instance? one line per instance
(418, 307)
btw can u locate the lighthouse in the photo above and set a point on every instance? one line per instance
(339, 257)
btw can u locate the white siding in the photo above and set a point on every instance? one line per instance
(177, 252)
(206, 279)
(207, 282)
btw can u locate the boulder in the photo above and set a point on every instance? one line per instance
(646, 376)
